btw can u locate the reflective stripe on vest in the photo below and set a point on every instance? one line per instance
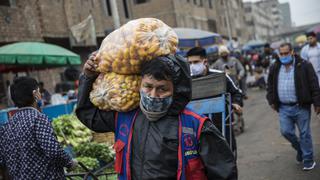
(190, 165)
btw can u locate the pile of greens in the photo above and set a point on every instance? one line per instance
(97, 150)
(71, 132)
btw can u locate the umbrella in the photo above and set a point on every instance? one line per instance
(37, 53)
(193, 37)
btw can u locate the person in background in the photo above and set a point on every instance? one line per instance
(229, 64)
(267, 57)
(29, 148)
(255, 59)
(199, 68)
(247, 61)
(259, 79)
(292, 88)
(46, 96)
(246, 65)
(311, 52)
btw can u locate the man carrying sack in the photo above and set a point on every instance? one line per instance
(161, 139)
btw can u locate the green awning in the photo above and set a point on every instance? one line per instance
(37, 53)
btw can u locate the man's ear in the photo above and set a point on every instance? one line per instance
(34, 92)
(205, 61)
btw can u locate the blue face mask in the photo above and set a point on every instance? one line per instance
(152, 104)
(286, 59)
(39, 103)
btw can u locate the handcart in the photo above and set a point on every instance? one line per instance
(91, 174)
(209, 97)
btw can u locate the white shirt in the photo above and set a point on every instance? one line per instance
(314, 58)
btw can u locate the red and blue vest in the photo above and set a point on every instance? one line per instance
(190, 165)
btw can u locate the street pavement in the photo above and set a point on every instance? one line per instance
(263, 154)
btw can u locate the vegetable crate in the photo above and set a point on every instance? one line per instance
(103, 137)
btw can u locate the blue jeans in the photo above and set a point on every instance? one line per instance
(296, 115)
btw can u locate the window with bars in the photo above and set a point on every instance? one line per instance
(141, 1)
(201, 3)
(125, 7)
(212, 25)
(210, 4)
(5, 3)
(108, 7)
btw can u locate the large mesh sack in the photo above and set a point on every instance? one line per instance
(123, 50)
(117, 92)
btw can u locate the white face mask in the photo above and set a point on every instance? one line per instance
(197, 69)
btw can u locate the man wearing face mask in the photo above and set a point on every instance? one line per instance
(161, 139)
(234, 66)
(292, 88)
(199, 67)
(29, 148)
(311, 52)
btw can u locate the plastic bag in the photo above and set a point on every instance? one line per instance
(117, 92)
(139, 40)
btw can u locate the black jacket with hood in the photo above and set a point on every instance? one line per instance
(155, 144)
(306, 84)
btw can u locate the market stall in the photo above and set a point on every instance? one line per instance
(31, 56)
(189, 38)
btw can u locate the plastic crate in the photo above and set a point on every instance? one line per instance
(3, 117)
(208, 86)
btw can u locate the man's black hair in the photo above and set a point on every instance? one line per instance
(308, 34)
(158, 69)
(267, 45)
(41, 83)
(197, 51)
(22, 91)
(286, 44)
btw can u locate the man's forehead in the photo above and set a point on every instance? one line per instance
(151, 80)
(284, 49)
(194, 58)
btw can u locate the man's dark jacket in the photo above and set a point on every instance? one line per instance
(306, 84)
(155, 144)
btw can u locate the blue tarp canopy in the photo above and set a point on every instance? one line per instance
(255, 43)
(189, 38)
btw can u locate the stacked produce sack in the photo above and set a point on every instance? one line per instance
(119, 62)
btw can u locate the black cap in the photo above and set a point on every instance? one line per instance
(197, 51)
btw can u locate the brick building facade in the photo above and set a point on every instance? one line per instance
(50, 21)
